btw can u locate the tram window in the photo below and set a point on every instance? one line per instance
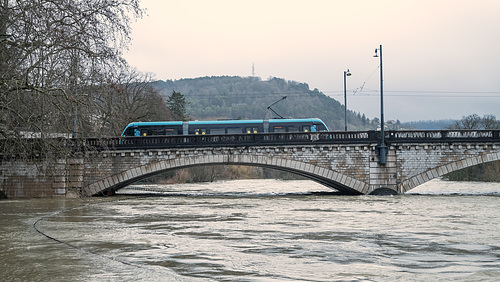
(250, 130)
(129, 132)
(321, 127)
(158, 132)
(234, 130)
(279, 129)
(200, 131)
(217, 131)
(293, 129)
(306, 128)
(170, 131)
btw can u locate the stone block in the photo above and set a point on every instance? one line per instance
(136, 172)
(101, 185)
(316, 170)
(323, 172)
(350, 182)
(302, 166)
(114, 180)
(94, 190)
(121, 177)
(343, 179)
(106, 182)
(59, 185)
(155, 166)
(330, 174)
(75, 178)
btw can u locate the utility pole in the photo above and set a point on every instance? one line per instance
(346, 73)
(382, 149)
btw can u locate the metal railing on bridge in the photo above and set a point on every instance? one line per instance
(443, 136)
(231, 140)
(277, 139)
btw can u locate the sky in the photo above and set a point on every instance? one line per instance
(441, 58)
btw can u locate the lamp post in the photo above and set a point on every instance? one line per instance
(346, 73)
(382, 149)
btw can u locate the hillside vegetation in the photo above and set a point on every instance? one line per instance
(248, 98)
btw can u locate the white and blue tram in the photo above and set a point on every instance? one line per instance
(224, 127)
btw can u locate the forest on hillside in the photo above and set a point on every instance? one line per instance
(234, 97)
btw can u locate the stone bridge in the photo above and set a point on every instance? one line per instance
(345, 161)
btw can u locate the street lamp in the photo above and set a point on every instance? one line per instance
(346, 73)
(382, 149)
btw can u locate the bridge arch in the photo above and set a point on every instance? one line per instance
(327, 177)
(439, 171)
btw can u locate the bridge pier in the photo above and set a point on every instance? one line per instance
(383, 177)
(76, 174)
(383, 192)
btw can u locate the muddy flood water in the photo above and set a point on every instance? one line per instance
(255, 230)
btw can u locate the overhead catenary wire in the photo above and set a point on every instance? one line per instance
(366, 92)
(431, 94)
(416, 93)
(366, 80)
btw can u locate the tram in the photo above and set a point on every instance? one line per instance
(224, 127)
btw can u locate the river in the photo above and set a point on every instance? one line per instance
(255, 230)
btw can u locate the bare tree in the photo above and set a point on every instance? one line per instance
(474, 121)
(126, 97)
(467, 122)
(53, 53)
(490, 122)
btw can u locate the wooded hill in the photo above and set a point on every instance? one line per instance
(234, 97)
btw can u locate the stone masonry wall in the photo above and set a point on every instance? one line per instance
(38, 179)
(417, 164)
(348, 160)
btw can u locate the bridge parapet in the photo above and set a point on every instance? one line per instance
(265, 139)
(418, 136)
(260, 139)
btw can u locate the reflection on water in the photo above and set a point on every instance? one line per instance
(256, 230)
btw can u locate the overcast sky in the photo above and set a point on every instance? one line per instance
(441, 58)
